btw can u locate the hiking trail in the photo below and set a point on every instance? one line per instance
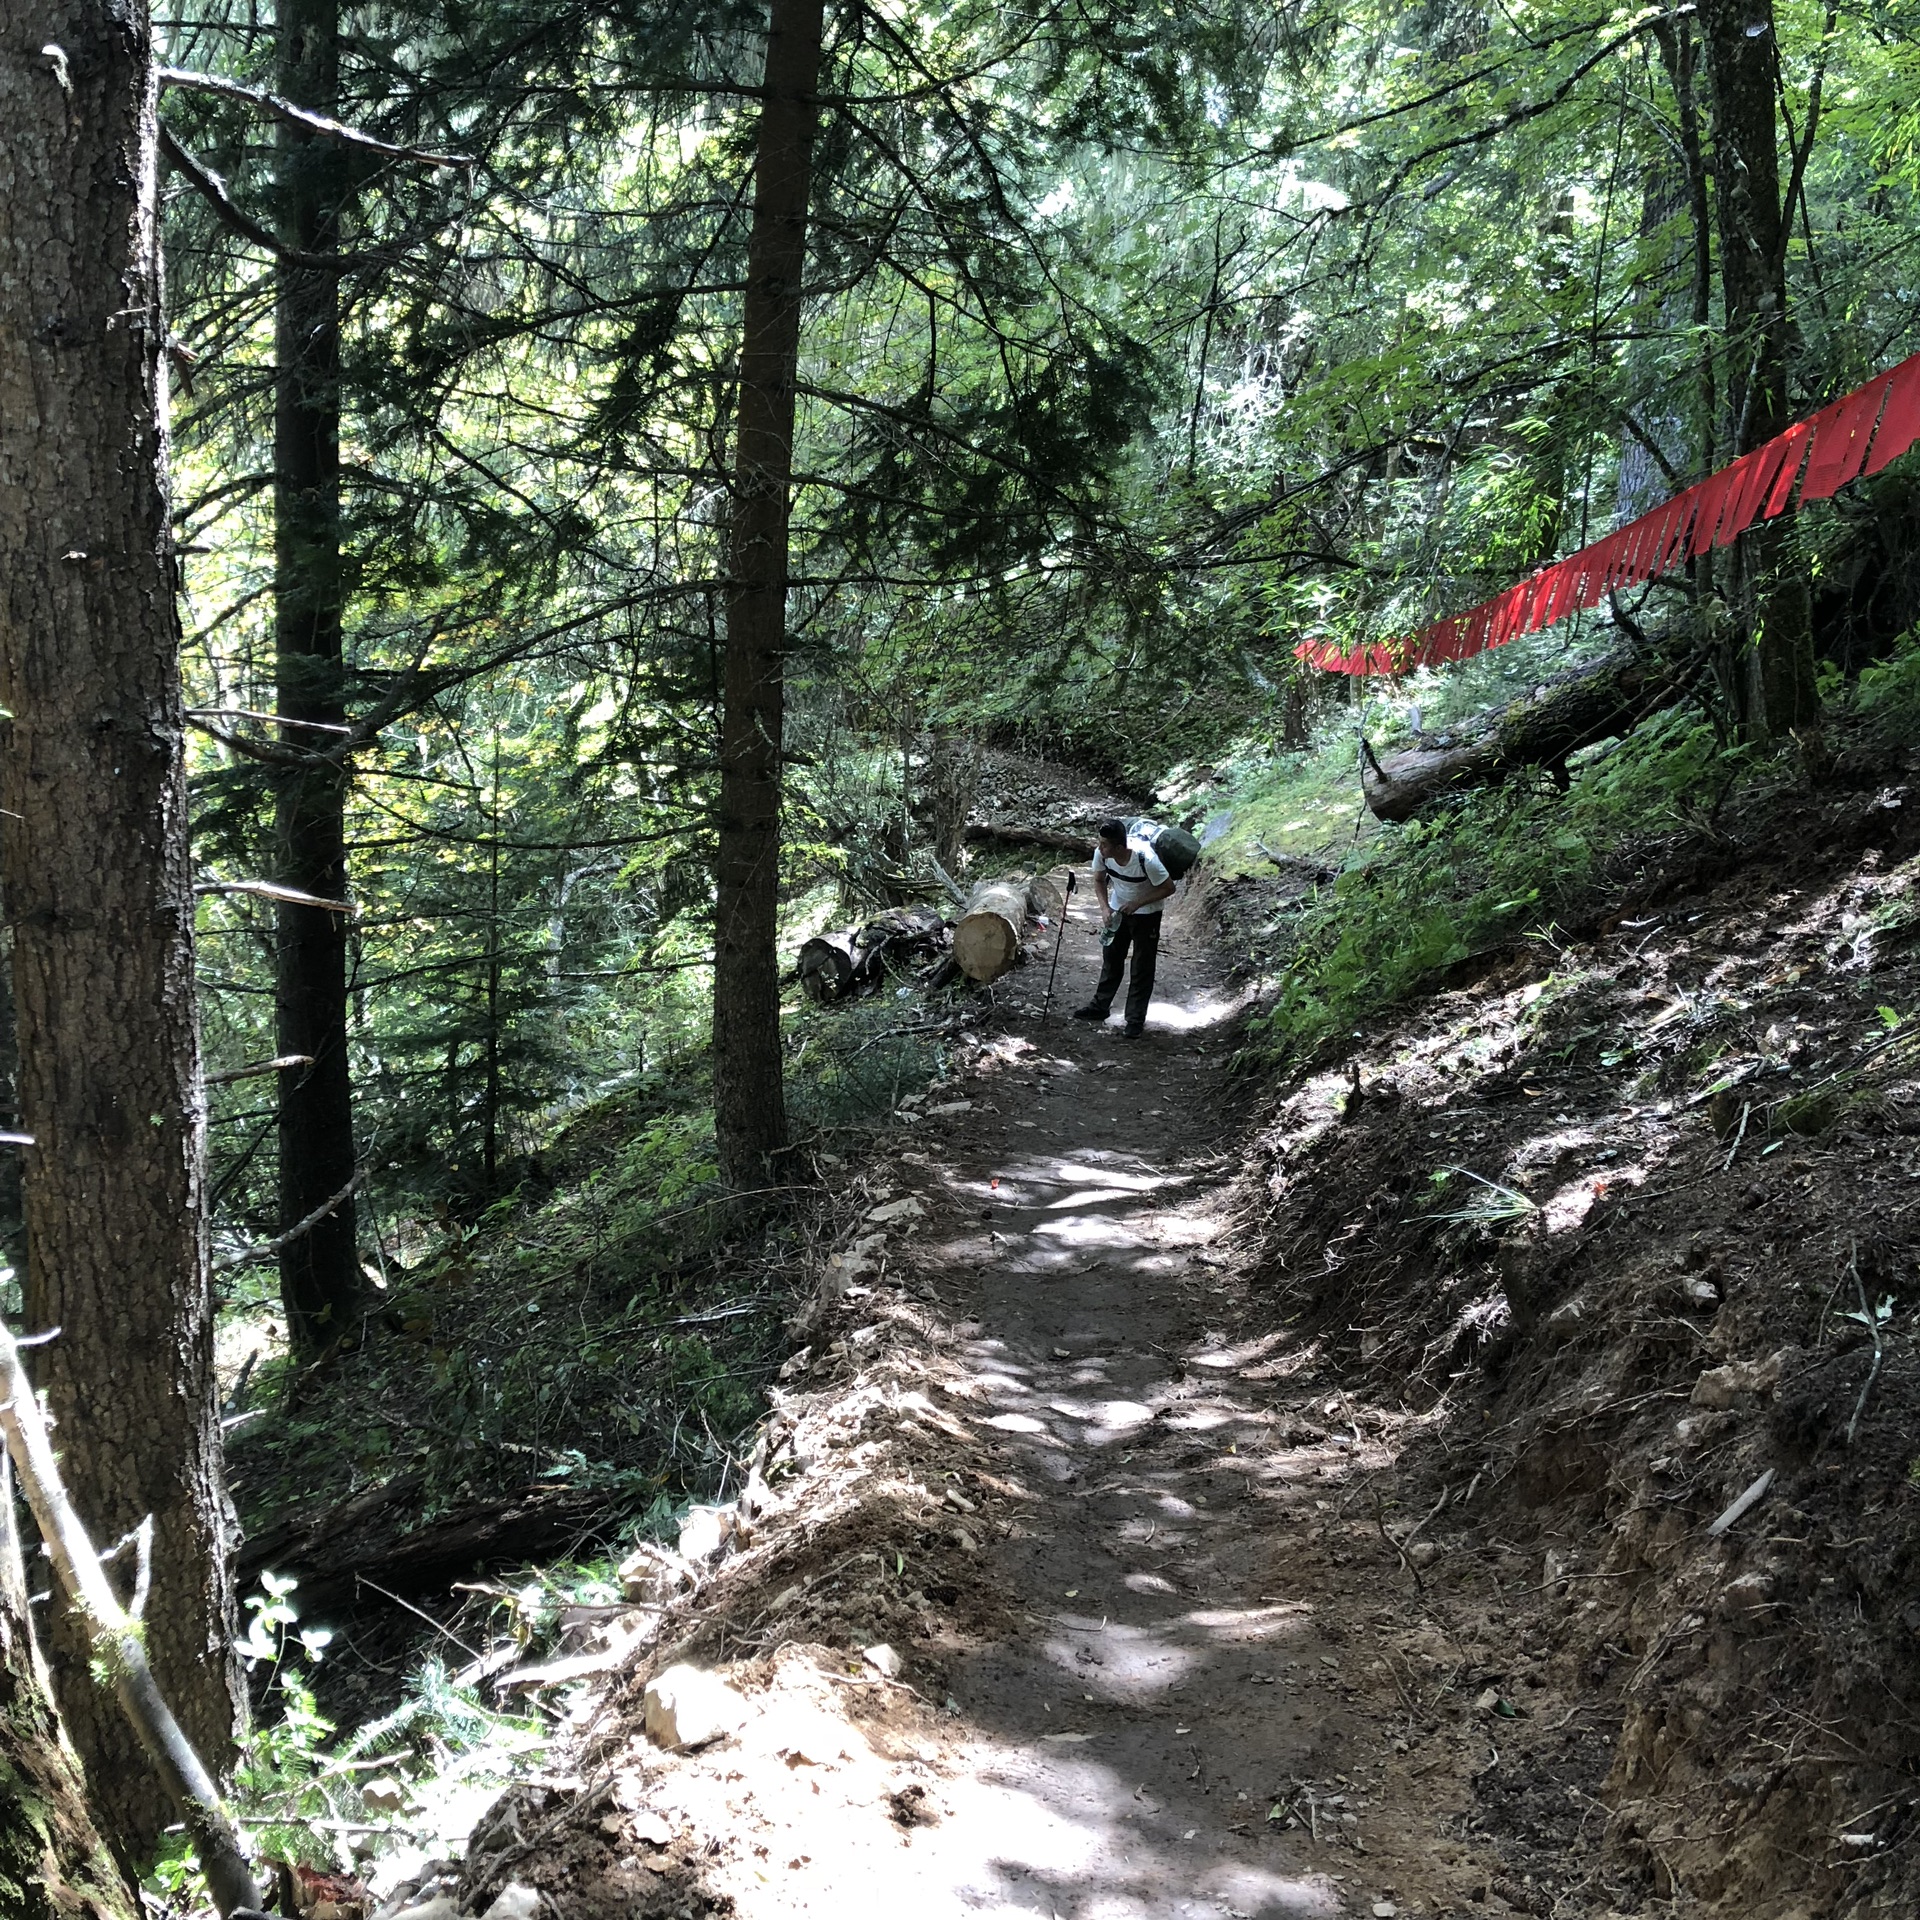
(1158, 1655)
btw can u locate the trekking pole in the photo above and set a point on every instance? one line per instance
(1059, 939)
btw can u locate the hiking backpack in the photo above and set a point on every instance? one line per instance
(1174, 847)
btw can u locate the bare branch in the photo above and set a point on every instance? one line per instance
(276, 108)
(274, 719)
(266, 890)
(259, 1067)
(271, 1249)
(213, 190)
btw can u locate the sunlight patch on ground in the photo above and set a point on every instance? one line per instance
(1018, 1423)
(1206, 1419)
(1045, 1828)
(1195, 1012)
(1090, 1230)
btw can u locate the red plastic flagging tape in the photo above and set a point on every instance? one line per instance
(1861, 433)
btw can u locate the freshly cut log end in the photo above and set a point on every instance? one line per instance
(986, 939)
(986, 943)
(1044, 901)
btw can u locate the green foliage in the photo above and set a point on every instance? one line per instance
(1138, 350)
(409, 1776)
(1889, 691)
(1423, 897)
(574, 1332)
(851, 1065)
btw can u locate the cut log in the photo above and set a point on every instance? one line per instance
(827, 964)
(839, 966)
(986, 939)
(1596, 703)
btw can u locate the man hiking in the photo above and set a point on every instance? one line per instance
(1131, 881)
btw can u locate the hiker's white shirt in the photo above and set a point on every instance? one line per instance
(1139, 873)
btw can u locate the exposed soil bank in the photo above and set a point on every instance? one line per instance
(1273, 1518)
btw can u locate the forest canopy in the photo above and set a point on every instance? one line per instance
(1133, 353)
(626, 464)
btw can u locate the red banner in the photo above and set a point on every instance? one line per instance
(1860, 433)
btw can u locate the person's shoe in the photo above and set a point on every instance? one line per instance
(1132, 1033)
(1090, 1011)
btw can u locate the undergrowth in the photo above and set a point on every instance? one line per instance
(411, 1781)
(1498, 864)
(611, 1324)
(1424, 896)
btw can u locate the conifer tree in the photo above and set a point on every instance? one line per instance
(99, 882)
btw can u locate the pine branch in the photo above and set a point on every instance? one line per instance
(213, 190)
(275, 108)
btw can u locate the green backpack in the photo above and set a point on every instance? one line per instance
(1174, 847)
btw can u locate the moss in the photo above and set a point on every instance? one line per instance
(53, 1863)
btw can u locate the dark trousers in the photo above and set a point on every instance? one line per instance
(1140, 933)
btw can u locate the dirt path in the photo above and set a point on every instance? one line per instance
(1103, 1571)
(1187, 1668)
(1158, 1658)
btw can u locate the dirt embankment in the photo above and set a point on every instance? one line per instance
(1470, 1478)
(1628, 1225)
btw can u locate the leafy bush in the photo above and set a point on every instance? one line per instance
(1889, 691)
(1419, 898)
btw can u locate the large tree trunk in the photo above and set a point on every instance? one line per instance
(99, 880)
(320, 1280)
(748, 1103)
(1773, 684)
(53, 1863)
(1593, 704)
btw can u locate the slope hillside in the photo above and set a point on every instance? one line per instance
(1624, 1223)
(1467, 1472)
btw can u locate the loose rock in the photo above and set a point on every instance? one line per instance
(690, 1707)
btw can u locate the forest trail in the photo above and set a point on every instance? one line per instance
(1185, 1668)
(1156, 1654)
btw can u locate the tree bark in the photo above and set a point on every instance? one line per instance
(1774, 681)
(320, 1280)
(749, 1106)
(53, 1863)
(99, 881)
(117, 1635)
(1594, 704)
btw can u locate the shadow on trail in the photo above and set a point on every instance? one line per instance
(1174, 1684)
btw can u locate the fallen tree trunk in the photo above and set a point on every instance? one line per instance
(1597, 703)
(1009, 833)
(986, 940)
(838, 966)
(367, 1539)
